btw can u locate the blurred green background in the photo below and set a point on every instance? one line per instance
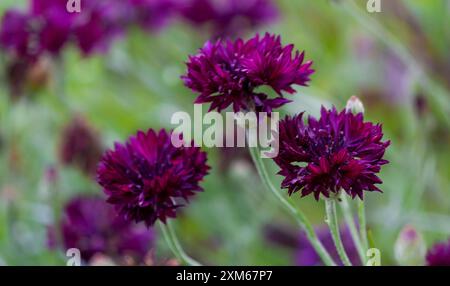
(396, 61)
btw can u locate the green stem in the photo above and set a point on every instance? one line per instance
(298, 215)
(352, 227)
(362, 223)
(175, 246)
(330, 205)
(60, 82)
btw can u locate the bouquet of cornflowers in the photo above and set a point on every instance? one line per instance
(328, 157)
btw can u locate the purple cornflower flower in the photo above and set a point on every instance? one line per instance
(54, 24)
(92, 30)
(229, 73)
(92, 226)
(147, 178)
(15, 33)
(337, 151)
(307, 256)
(80, 146)
(104, 20)
(47, 26)
(439, 254)
(152, 14)
(229, 17)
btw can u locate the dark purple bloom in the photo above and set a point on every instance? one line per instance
(80, 146)
(307, 256)
(229, 17)
(91, 33)
(27, 73)
(15, 33)
(152, 14)
(338, 151)
(15, 79)
(229, 73)
(55, 24)
(147, 178)
(281, 235)
(100, 23)
(92, 226)
(439, 254)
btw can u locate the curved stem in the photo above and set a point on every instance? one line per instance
(298, 215)
(352, 227)
(330, 206)
(362, 223)
(175, 246)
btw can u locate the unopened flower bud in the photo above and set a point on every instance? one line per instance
(410, 247)
(354, 105)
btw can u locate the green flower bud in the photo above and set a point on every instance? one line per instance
(410, 247)
(354, 105)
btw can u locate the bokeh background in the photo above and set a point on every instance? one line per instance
(396, 62)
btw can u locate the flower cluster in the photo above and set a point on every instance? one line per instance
(47, 26)
(229, 17)
(439, 254)
(229, 72)
(91, 225)
(337, 151)
(147, 178)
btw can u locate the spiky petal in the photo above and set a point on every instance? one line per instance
(147, 178)
(337, 151)
(228, 73)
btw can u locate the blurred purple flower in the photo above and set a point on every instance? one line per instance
(104, 20)
(229, 17)
(15, 33)
(439, 254)
(48, 26)
(338, 151)
(398, 80)
(281, 235)
(307, 256)
(92, 226)
(55, 24)
(152, 14)
(147, 177)
(228, 73)
(80, 146)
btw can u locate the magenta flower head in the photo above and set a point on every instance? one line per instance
(15, 33)
(439, 254)
(229, 73)
(229, 17)
(55, 24)
(337, 151)
(92, 226)
(147, 178)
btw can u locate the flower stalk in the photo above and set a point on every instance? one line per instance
(174, 244)
(298, 215)
(362, 223)
(352, 227)
(332, 221)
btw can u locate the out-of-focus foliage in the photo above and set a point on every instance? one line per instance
(396, 61)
